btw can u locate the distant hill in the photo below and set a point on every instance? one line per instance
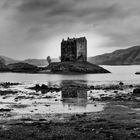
(3, 67)
(39, 62)
(7, 60)
(36, 62)
(129, 56)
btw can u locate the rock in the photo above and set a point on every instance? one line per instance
(5, 110)
(37, 86)
(8, 84)
(137, 73)
(92, 87)
(75, 67)
(106, 98)
(47, 105)
(136, 92)
(7, 92)
(135, 135)
(44, 88)
(130, 86)
(94, 99)
(100, 120)
(121, 83)
(48, 97)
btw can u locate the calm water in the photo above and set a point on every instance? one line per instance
(32, 102)
(118, 73)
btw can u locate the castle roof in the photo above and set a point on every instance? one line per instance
(74, 39)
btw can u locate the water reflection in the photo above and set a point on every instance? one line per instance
(118, 73)
(74, 97)
(74, 100)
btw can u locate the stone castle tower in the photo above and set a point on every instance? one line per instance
(74, 49)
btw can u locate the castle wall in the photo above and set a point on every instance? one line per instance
(68, 51)
(74, 49)
(81, 45)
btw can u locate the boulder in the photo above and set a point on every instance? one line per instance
(136, 92)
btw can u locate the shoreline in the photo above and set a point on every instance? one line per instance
(120, 112)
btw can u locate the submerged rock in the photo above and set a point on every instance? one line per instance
(5, 110)
(137, 73)
(121, 83)
(136, 92)
(8, 84)
(44, 88)
(7, 92)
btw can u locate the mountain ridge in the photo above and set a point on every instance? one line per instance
(128, 56)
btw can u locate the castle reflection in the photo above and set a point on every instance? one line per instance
(74, 97)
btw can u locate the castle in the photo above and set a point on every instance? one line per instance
(74, 49)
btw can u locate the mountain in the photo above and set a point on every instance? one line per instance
(3, 67)
(129, 56)
(7, 60)
(39, 62)
(36, 62)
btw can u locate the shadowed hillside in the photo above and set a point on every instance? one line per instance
(3, 67)
(130, 56)
(7, 60)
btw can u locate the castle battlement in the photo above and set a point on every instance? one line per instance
(74, 39)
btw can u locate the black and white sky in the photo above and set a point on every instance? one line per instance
(35, 28)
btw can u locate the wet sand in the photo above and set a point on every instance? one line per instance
(105, 112)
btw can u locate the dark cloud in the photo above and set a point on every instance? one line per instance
(68, 10)
(33, 5)
(29, 24)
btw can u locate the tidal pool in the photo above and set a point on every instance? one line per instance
(32, 102)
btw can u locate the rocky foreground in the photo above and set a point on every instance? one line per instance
(119, 120)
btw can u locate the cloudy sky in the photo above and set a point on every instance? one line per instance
(35, 28)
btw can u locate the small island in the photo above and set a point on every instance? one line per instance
(74, 58)
(138, 73)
